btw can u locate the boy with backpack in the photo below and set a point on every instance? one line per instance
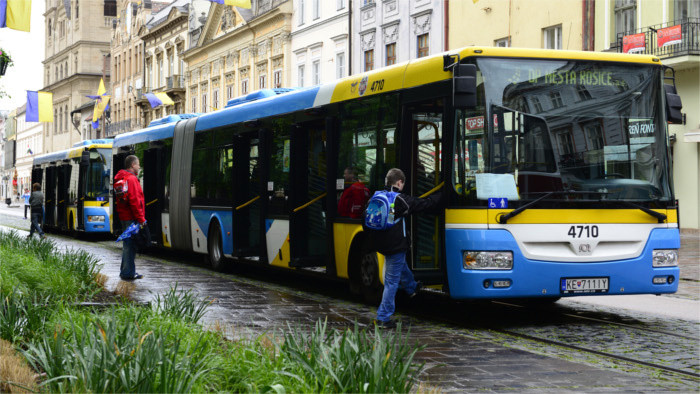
(385, 220)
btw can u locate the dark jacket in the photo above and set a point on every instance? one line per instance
(133, 206)
(36, 201)
(397, 238)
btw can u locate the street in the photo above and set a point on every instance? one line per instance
(639, 343)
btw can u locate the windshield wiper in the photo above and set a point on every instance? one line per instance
(658, 215)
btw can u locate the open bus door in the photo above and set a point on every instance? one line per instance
(62, 185)
(248, 200)
(154, 190)
(425, 120)
(50, 196)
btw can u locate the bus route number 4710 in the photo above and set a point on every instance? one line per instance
(579, 231)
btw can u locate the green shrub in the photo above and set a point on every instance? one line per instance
(183, 304)
(21, 316)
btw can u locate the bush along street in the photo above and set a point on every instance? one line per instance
(129, 348)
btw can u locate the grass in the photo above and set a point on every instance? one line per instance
(15, 374)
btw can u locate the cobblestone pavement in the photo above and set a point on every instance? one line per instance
(459, 357)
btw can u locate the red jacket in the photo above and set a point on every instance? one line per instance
(132, 207)
(353, 200)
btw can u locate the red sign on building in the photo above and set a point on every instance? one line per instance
(634, 43)
(669, 36)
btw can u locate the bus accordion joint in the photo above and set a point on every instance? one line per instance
(247, 203)
(433, 190)
(310, 202)
(152, 202)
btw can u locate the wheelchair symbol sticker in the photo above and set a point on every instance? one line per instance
(498, 203)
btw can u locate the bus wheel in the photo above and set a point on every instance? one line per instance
(369, 277)
(215, 247)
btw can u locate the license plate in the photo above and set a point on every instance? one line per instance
(585, 285)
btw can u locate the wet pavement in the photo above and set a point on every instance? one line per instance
(458, 356)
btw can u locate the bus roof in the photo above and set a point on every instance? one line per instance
(399, 76)
(70, 153)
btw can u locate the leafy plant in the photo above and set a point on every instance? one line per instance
(5, 56)
(182, 305)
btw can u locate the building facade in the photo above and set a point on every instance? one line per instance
(549, 24)
(238, 51)
(29, 143)
(127, 76)
(77, 48)
(387, 32)
(164, 38)
(649, 20)
(320, 41)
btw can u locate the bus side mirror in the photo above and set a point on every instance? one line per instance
(673, 105)
(85, 158)
(464, 84)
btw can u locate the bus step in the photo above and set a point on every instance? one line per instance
(429, 277)
(310, 261)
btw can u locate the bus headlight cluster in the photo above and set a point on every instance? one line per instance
(664, 258)
(487, 260)
(96, 218)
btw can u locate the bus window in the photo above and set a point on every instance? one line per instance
(202, 159)
(97, 176)
(280, 164)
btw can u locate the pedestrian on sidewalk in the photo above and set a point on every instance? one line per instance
(36, 202)
(131, 209)
(394, 243)
(26, 196)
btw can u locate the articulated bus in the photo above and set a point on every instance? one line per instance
(75, 183)
(554, 164)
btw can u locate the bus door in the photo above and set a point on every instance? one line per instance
(247, 196)
(425, 120)
(277, 163)
(308, 231)
(154, 189)
(62, 197)
(117, 164)
(50, 197)
(82, 177)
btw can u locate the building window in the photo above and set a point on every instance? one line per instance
(625, 16)
(390, 54)
(262, 81)
(277, 77)
(684, 9)
(215, 99)
(317, 9)
(566, 143)
(340, 65)
(194, 104)
(340, 4)
(300, 21)
(300, 75)
(369, 60)
(205, 108)
(423, 45)
(110, 8)
(555, 98)
(161, 75)
(244, 86)
(316, 72)
(229, 92)
(503, 42)
(583, 93)
(552, 37)
(171, 64)
(536, 103)
(594, 137)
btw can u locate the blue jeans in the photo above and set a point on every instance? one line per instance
(36, 219)
(128, 267)
(396, 275)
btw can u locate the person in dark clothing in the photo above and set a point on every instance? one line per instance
(394, 243)
(131, 208)
(36, 202)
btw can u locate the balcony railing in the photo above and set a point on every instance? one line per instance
(689, 45)
(120, 127)
(175, 82)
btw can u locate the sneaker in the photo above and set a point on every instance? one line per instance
(136, 276)
(419, 285)
(385, 324)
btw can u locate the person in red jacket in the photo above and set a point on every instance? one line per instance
(354, 198)
(131, 209)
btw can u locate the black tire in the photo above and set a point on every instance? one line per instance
(215, 251)
(369, 282)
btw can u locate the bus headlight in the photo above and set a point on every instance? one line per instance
(487, 260)
(96, 218)
(664, 258)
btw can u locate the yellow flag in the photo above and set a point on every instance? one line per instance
(45, 106)
(100, 106)
(18, 14)
(101, 90)
(238, 3)
(164, 98)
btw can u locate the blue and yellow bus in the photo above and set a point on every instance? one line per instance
(76, 186)
(555, 166)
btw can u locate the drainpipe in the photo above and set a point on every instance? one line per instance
(447, 24)
(350, 37)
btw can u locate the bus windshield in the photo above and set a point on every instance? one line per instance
(98, 174)
(590, 128)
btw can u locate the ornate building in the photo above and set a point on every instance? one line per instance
(77, 50)
(127, 65)
(238, 51)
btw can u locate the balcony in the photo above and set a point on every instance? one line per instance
(175, 84)
(120, 127)
(688, 46)
(140, 94)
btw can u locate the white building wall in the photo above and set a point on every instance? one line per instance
(29, 137)
(319, 37)
(378, 23)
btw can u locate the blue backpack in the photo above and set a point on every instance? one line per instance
(378, 214)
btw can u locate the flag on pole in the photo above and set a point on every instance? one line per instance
(15, 14)
(157, 99)
(39, 106)
(236, 3)
(101, 104)
(29, 151)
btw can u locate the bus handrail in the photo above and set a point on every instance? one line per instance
(152, 202)
(247, 203)
(433, 190)
(310, 202)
